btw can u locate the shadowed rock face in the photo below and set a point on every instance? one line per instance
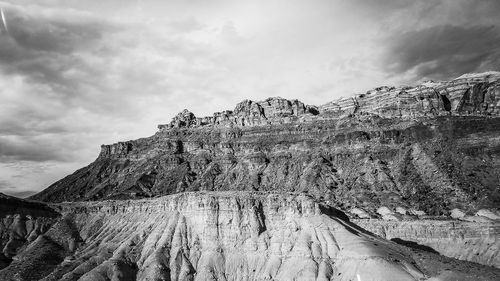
(432, 148)
(21, 223)
(472, 241)
(221, 236)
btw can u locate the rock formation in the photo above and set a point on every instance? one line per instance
(21, 223)
(281, 190)
(473, 241)
(431, 148)
(221, 236)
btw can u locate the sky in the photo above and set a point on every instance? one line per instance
(77, 74)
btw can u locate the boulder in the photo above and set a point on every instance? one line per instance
(401, 210)
(488, 214)
(362, 214)
(383, 211)
(457, 214)
(391, 217)
(417, 213)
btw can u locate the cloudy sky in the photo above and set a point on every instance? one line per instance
(77, 74)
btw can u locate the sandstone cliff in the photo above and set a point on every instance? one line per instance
(432, 148)
(473, 241)
(222, 236)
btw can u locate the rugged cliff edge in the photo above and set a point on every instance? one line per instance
(222, 236)
(255, 193)
(430, 148)
(472, 241)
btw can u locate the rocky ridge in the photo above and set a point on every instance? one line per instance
(222, 236)
(255, 194)
(466, 95)
(472, 241)
(431, 148)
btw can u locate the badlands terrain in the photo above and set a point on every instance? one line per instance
(398, 183)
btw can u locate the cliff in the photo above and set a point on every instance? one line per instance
(477, 94)
(222, 236)
(472, 241)
(431, 148)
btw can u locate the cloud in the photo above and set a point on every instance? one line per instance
(45, 61)
(20, 194)
(404, 15)
(186, 25)
(9, 189)
(5, 185)
(70, 81)
(77, 74)
(31, 176)
(445, 51)
(39, 148)
(41, 46)
(230, 35)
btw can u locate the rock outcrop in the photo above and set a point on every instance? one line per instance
(467, 95)
(21, 223)
(473, 241)
(248, 113)
(222, 236)
(429, 149)
(254, 193)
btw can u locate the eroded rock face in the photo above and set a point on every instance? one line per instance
(221, 236)
(391, 147)
(248, 113)
(472, 241)
(467, 95)
(228, 237)
(21, 223)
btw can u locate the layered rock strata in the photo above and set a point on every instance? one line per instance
(427, 155)
(466, 95)
(472, 241)
(222, 236)
(398, 154)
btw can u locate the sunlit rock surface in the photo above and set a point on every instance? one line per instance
(473, 241)
(221, 236)
(253, 194)
(430, 148)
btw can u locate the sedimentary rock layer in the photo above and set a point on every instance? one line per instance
(432, 148)
(467, 95)
(221, 236)
(473, 241)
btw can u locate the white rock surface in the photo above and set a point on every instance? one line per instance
(418, 213)
(475, 240)
(360, 213)
(477, 219)
(231, 236)
(391, 217)
(488, 214)
(384, 211)
(401, 210)
(218, 237)
(457, 214)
